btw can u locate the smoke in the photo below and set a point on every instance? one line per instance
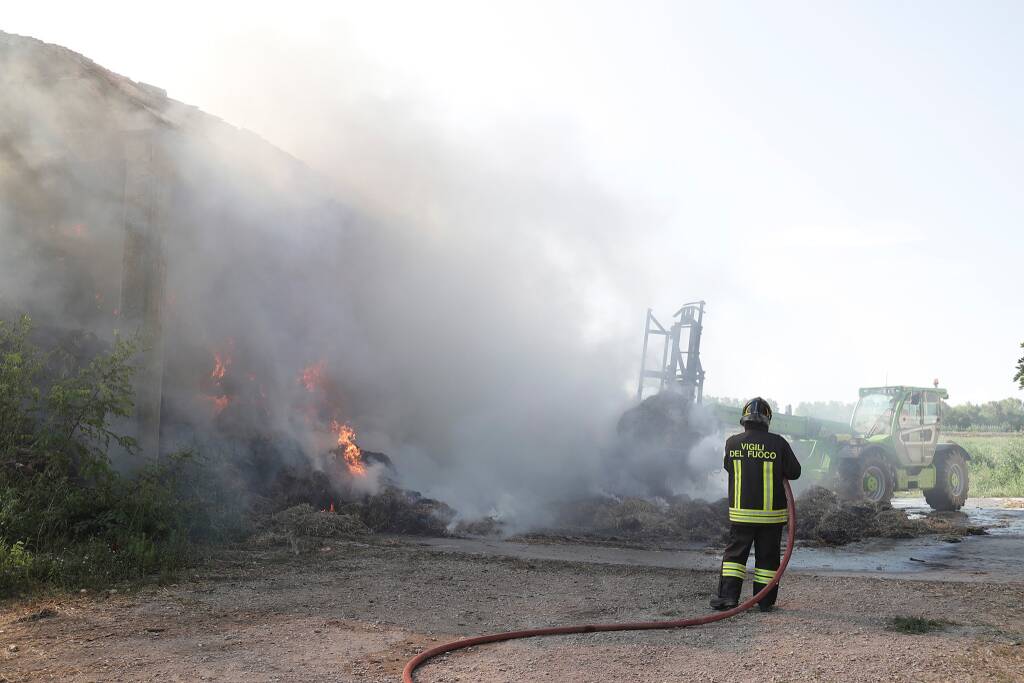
(666, 446)
(474, 300)
(486, 378)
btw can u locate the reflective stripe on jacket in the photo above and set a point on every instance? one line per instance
(757, 461)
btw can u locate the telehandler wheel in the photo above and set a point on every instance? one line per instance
(951, 482)
(867, 478)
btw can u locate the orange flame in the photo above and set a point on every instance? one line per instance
(220, 403)
(221, 363)
(349, 450)
(75, 230)
(312, 377)
(220, 366)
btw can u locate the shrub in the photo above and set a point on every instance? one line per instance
(18, 567)
(917, 625)
(67, 518)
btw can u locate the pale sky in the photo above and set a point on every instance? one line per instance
(840, 181)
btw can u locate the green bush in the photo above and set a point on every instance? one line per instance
(18, 567)
(67, 518)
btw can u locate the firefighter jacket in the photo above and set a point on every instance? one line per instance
(757, 461)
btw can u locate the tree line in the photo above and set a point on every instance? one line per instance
(1006, 415)
(995, 416)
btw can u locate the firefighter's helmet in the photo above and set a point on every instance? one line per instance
(757, 411)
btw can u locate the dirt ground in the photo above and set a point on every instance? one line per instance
(357, 611)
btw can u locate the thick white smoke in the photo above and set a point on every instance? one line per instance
(476, 299)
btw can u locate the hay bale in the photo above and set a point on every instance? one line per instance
(655, 453)
(661, 419)
(398, 511)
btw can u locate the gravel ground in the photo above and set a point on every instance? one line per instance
(356, 612)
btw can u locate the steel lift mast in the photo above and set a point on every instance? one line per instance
(680, 368)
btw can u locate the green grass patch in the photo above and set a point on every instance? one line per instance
(917, 625)
(996, 465)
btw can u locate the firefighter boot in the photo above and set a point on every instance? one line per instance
(728, 595)
(719, 603)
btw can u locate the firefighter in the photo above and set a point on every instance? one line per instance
(757, 461)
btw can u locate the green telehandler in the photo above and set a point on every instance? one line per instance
(892, 443)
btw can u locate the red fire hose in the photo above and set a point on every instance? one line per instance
(419, 659)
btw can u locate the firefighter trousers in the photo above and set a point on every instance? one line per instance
(766, 539)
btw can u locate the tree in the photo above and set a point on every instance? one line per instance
(1006, 415)
(837, 411)
(738, 402)
(1019, 377)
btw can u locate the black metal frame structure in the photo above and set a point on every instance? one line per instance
(680, 369)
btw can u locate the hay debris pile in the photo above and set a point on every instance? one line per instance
(678, 518)
(633, 521)
(303, 527)
(823, 518)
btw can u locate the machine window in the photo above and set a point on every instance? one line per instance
(910, 416)
(931, 409)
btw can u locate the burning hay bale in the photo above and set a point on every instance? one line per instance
(662, 448)
(354, 491)
(663, 419)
